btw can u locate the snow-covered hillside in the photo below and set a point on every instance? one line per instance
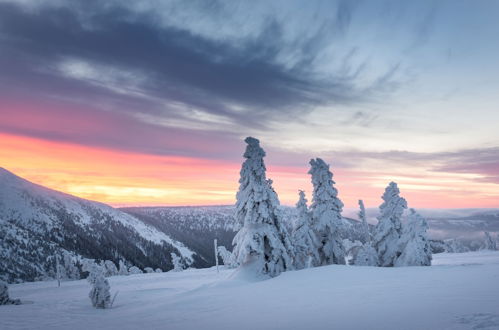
(37, 223)
(458, 292)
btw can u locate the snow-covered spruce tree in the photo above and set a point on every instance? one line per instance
(4, 295)
(110, 268)
(100, 294)
(227, 257)
(304, 239)
(123, 269)
(365, 226)
(262, 242)
(414, 242)
(490, 243)
(366, 254)
(176, 262)
(389, 228)
(326, 215)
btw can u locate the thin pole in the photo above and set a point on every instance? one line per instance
(58, 270)
(216, 253)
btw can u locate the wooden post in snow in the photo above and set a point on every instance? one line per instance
(58, 270)
(216, 253)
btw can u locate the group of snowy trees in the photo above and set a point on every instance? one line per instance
(100, 294)
(264, 244)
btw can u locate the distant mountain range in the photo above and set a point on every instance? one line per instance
(37, 223)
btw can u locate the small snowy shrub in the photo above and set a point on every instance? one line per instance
(176, 262)
(100, 294)
(110, 268)
(123, 269)
(490, 243)
(94, 270)
(227, 257)
(158, 270)
(148, 270)
(135, 270)
(366, 256)
(4, 295)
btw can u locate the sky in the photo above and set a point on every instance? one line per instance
(148, 102)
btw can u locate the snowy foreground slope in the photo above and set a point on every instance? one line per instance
(461, 291)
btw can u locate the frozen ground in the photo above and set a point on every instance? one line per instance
(461, 291)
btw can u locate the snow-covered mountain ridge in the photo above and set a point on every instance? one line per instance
(37, 223)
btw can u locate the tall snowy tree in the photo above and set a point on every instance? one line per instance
(490, 243)
(100, 294)
(262, 242)
(4, 295)
(414, 242)
(365, 226)
(326, 214)
(304, 239)
(389, 228)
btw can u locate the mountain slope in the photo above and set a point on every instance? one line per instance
(37, 223)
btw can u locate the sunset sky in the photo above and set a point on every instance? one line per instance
(148, 102)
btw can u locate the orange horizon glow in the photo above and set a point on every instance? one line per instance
(122, 178)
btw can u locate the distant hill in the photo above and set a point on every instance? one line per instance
(37, 223)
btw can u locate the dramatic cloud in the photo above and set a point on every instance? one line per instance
(114, 55)
(346, 80)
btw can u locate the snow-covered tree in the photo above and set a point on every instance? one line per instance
(454, 245)
(4, 295)
(100, 294)
(123, 268)
(389, 228)
(148, 270)
(326, 214)
(490, 243)
(158, 270)
(110, 268)
(177, 263)
(134, 270)
(365, 226)
(262, 242)
(94, 270)
(227, 257)
(304, 239)
(414, 242)
(366, 256)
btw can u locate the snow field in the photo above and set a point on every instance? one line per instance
(460, 291)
